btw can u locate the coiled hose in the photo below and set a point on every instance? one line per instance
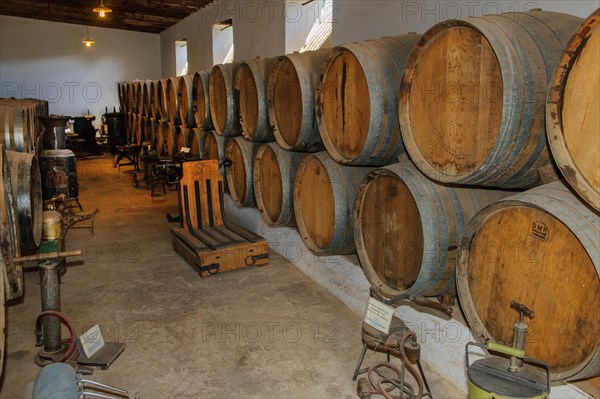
(378, 384)
(65, 320)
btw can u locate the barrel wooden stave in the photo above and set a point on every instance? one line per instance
(201, 102)
(573, 122)
(224, 107)
(357, 100)
(541, 249)
(213, 146)
(505, 67)
(407, 229)
(324, 196)
(291, 101)
(251, 84)
(274, 173)
(172, 99)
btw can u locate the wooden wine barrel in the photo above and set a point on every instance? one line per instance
(9, 235)
(26, 184)
(274, 173)
(146, 104)
(213, 146)
(291, 101)
(185, 94)
(172, 99)
(223, 103)
(407, 229)
(122, 93)
(194, 141)
(16, 130)
(139, 97)
(251, 84)
(150, 113)
(152, 133)
(161, 138)
(175, 138)
(573, 111)
(240, 175)
(131, 96)
(541, 249)
(357, 100)
(162, 95)
(475, 115)
(324, 195)
(138, 126)
(201, 101)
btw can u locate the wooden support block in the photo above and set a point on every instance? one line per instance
(228, 256)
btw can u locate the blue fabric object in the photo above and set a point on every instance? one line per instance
(55, 381)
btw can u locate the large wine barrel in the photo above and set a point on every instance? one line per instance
(9, 237)
(145, 104)
(240, 175)
(539, 248)
(213, 146)
(407, 229)
(151, 113)
(174, 137)
(473, 97)
(291, 101)
(324, 195)
(185, 94)
(162, 96)
(172, 99)
(573, 111)
(357, 100)
(201, 101)
(251, 84)
(26, 184)
(161, 138)
(223, 101)
(15, 135)
(274, 173)
(193, 140)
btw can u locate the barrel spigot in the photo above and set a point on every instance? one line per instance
(520, 330)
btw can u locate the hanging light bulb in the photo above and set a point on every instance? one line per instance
(102, 10)
(88, 42)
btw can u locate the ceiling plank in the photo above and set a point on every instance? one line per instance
(151, 16)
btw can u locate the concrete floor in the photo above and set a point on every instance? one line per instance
(263, 333)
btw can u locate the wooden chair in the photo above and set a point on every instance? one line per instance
(205, 239)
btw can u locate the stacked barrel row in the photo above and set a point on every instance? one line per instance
(164, 113)
(20, 123)
(430, 143)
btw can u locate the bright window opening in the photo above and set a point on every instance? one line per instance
(181, 61)
(223, 42)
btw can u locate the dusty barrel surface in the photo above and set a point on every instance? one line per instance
(324, 196)
(240, 175)
(26, 184)
(223, 102)
(407, 229)
(251, 84)
(291, 101)
(186, 100)
(573, 111)
(172, 99)
(539, 248)
(201, 102)
(357, 100)
(473, 97)
(274, 173)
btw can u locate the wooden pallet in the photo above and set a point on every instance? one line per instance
(205, 239)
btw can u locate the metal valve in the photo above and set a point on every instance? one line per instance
(520, 330)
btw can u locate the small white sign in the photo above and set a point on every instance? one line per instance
(91, 341)
(379, 315)
(185, 150)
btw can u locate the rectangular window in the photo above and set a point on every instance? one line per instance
(223, 42)
(181, 61)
